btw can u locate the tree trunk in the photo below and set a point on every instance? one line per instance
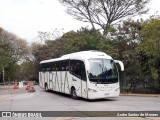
(106, 29)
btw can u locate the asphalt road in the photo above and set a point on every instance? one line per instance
(21, 100)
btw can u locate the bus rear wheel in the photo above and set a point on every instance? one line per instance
(46, 87)
(73, 93)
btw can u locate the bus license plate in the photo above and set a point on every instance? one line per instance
(107, 94)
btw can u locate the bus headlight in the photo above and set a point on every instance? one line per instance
(92, 90)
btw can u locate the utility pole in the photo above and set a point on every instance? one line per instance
(3, 75)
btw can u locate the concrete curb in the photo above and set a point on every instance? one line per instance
(141, 95)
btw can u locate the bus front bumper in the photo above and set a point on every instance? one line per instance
(103, 94)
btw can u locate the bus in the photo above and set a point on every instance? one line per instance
(86, 74)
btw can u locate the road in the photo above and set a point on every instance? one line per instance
(21, 100)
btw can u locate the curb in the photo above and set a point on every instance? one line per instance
(141, 95)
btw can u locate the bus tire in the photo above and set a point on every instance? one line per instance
(46, 87)
(73, 93)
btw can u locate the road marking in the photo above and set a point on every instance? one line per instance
(65, 118)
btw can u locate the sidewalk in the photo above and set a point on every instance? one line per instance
(141, 95)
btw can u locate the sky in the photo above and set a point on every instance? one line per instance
(25, 18)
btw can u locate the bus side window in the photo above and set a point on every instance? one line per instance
(77, 68)
(48, 66)
(43, 67)
(40, 67)
(66, 65)
(53, 67)
(67, 68)
(56, 67)
(63, 65)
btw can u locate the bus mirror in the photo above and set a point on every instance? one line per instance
(120, 64)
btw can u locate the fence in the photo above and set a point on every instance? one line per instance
(139, 84)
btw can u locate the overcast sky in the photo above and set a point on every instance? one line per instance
(26, 17)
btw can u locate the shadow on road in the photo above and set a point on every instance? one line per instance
(82, 99)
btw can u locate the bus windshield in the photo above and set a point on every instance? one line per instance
(103, 71)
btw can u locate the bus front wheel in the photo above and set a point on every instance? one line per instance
(73, 93)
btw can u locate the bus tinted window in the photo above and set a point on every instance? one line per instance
(55, 66)
(60, 65)
(77, 68)
(64, 65)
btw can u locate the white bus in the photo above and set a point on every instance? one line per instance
(86, 74)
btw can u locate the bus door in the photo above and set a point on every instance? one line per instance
(77, 69)
(84, 88)
(83, 80)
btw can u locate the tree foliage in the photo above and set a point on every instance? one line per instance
(82, 40)
(12, 51)
(150, 47)
(125, 38)
(86, 39)
(51, 49)
(104, 12)
(18, 47)
(5, 54)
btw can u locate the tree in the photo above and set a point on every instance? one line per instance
(104, 12)
(44, 36)
(126, 38)
(28, 70)
(150, 46)
(51, 49)
(12, 51)
(5, 57)
(18, 47)
(86, 39)
(82, 40)
(5, 54)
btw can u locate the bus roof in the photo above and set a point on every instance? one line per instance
(80, 55)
